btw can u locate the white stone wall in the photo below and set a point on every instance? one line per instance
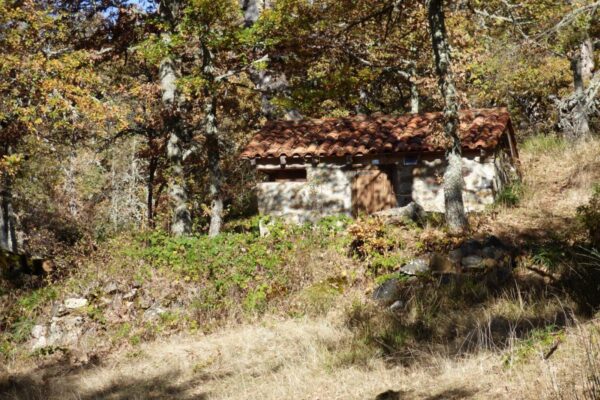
(328, 188)
(480, 177)
(327, 191)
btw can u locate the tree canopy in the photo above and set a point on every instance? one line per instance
(159, 96)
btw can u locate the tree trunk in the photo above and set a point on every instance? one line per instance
(182, 221)
(414, 90)
(216, 177)
(69, 186)
(211, 132)
(587, 59)
(268, 83)
(453, 180)
(581, 124)
(8, 231)
(152, 166)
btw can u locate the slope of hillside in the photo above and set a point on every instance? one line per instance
(172, 325)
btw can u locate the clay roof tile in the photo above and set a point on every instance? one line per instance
(376, 134)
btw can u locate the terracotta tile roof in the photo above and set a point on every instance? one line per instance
(375, 134)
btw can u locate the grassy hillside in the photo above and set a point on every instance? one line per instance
(292, 315)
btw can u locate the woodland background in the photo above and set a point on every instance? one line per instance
(118, 115)
(132, 264)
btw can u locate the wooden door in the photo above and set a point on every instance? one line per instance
(372, 191)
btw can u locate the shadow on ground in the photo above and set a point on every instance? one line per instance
(448, 394)
(40, 384)
(556, 283)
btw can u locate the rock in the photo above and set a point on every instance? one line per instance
(130, 295)
(455, 256)
(472, 262)
(493, 241)
(389, 395)
(39, 343)
(110, 288)
(58, 310)
(38, 331)
(105, 301)
(492, 252)
(470, 247)
(397, 215)
(397, 305)
(65, 331)
(263, 228)
(38, 334)
(417, 266)
(387, 292)
(153, 313)
(75, 302)
(145, 302)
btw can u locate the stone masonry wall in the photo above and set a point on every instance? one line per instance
(480, 177)
(327, 191)
(328, 188)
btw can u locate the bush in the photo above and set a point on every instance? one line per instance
(375, 243)
(510, 195)
(234, 268)
(589, 215)
(334, 224)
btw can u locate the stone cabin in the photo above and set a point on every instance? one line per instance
(364, 164)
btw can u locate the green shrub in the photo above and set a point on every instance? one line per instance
(37, 298)
(589, 215)
(550, 256)
(539, 339)
(334, 224)
(319, 298)
(387, 262)
(435, 219)
(256, 299)
(510, 195)
(234, 269)
(243, 225)
(21, 329)
(377, 244)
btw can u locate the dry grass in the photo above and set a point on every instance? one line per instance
(290, 359)
(307, 358)
(557, 179)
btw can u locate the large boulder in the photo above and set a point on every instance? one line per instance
(399, 215)
(387, 292)
(472, 262)
(75, 302)
(487, 253)
(433, 262)
(416, 266)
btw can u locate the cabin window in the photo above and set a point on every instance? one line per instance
(287, 175)
(411, 160)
